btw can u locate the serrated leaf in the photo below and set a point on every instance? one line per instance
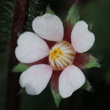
(57, 98)
(49, 11)
(20, 68)
(92, 63)
(87, 86)
(73, 16)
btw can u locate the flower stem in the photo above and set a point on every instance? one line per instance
(18, 23)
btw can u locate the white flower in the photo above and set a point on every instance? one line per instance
(32, 48)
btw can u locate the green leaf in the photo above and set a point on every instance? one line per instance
(57, 98)
(92, 63)
(87, 86)
(20, 68)
(49, 11)
(73, 16)
(90, 26)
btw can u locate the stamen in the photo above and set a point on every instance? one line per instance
(61, 55)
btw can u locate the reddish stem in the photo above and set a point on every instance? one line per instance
(19, 18)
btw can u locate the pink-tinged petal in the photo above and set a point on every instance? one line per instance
(49, 27)
(82, 39)
(31, 48)
(36, 78)
(71, 79)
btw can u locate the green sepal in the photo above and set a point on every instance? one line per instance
(87, 86)
(49, 11)
(57, 98)
(73, 15)
(22, 90)
(92, 63)
(90, 26)
(20, 68)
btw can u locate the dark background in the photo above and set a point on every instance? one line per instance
(95, 12)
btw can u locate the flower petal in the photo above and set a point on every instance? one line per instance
(82, 39)
(31, 48)
(36, 78)
(49, 27)
(70, 80)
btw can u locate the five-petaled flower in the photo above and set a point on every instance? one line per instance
(33, 47)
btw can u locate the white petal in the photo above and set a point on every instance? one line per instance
(49, 27)
(36, 78)
(70, 80)
(82, 39)
(31, 48)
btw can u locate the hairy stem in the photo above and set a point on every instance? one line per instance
(18, 23)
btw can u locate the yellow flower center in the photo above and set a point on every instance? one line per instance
(56, 54)
(61, 55)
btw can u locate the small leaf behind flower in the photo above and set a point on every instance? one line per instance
(87, 86)
(20, 68)
(49, 11)
(92, 63)
(57, 97)
(22, 90)
(73, 16)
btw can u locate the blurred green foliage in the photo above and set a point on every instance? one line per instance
(6, 14)
(96, 13)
